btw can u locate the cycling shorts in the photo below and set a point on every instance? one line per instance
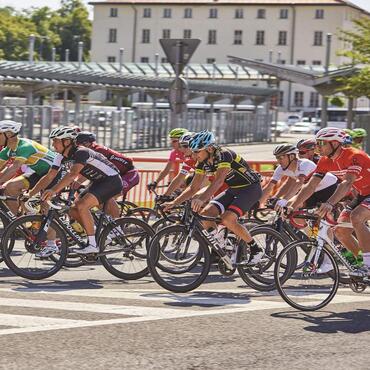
(129, 180)
(321, 196)
(105, 188)
(239, 200)
(360, 200)
(29, 181)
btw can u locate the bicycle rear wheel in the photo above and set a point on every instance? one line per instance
(125, 245)
(178, 261)
(306, 288)
(22, 239)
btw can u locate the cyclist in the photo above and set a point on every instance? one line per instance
(175, 155)
(306, 149)
(243, 192)
(129, 174)
(25, 152)
(298, 172)
(347, 143)
(358, 135)
(352, 166)
(105, 181)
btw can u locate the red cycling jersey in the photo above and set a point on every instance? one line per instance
(352, 161)
(123, 164)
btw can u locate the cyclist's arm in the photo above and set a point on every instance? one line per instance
(305, 192)
(343, 188)
(10, 172)
(175, 183)
(267, 191)
(192, 189)
(220, 177)
(296, 185)
(287, 188)
(68, 178)
(165, 172)
(44, 182)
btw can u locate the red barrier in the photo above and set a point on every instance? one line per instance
(141, 196)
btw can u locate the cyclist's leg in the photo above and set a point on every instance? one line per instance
(345, 234)
(359, 216)
(129, 180)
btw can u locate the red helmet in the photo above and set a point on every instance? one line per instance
(331, 134)
(307, 144)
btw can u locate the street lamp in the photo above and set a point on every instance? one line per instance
(41, 47)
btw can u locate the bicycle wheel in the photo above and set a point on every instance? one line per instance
(4, 223)
(125, 244)
(261, 276)
(22, 239)
(178, 261)
(125, 206)
(306, 288)
(148, 215)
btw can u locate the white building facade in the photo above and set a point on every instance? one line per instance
(283, 31)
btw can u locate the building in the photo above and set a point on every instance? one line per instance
(283, 31)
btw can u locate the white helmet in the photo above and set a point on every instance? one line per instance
(9, 125)
(64, 132)
(185, 139)
(331, 134)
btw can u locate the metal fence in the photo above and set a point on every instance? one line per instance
(142, 129)
(363, 121)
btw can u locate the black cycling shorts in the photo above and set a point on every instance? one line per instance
(321, 196)
(238, 200)
(105, 189)
(31, 180)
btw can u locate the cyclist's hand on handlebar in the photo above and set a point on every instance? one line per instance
(197, 205)
(152, 185)
(280, 204)
(324, 209)
(168, 205)
(47, 195)
(24, 197)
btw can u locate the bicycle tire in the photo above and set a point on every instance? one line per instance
(5, 223)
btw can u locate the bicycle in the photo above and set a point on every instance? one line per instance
(308, 287)
(123, 244)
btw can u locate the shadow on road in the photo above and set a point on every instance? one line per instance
(351, 322)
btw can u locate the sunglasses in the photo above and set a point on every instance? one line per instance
(301, 152)
(321, 142)
(278, 157)
(174, 140)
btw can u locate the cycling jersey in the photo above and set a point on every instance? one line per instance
(188, 165)
(123, 164)
(176, 155)
(240, 174)
(351, 161)
(30, 153)
(96, 166)
(304, 168)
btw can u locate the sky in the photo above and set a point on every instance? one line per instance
(19, 4)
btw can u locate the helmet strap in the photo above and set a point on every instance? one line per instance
(66, 147)
(290, 162)
(333, 150)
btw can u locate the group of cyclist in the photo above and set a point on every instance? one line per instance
(319, 172)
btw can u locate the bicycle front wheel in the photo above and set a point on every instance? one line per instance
(313, 281)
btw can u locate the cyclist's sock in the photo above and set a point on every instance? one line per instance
(92, 240)
(366, 258)
(254, 248)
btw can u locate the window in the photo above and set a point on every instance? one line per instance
(282, 61)
(147, 13)
(261, 13)
(260, 38)
(112, 35)
(239, 13)
(188, 13)
(163, 60)
(314, 99)
(301, 62)
(187, 34)
(111, 59)
(284, 13)
(113, 12)
(211, 60)
(213, 13)
(238, 37)
(280, 99)
(298, 98)
(167, 13)
(212, 37)
(166, 34)
(144, 60)
(316, 62)
(319, 14)
(317, 39)
(283, 36)
(145, 37)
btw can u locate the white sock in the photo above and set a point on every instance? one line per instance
(51, 243)
(366, 257)
(92, 240)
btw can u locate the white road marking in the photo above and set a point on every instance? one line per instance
(29, 321)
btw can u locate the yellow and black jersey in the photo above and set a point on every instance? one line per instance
(240, 174)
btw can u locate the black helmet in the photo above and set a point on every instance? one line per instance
(285, 149)
(85, 137)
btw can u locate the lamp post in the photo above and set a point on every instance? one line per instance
(41, 47)
(31, 48)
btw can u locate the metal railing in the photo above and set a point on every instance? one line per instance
(130, 129)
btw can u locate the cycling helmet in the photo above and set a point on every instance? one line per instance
(358, 133)
(85, 137)
(284, 149)
(185, 139)
(347, 140)
(348, 131)
(331, 134)
(202, 140)
(307, 144)
(63, 132)
(9, 125)
(176, 133)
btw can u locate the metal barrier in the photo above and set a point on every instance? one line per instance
(130, 129)
(141, 196)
